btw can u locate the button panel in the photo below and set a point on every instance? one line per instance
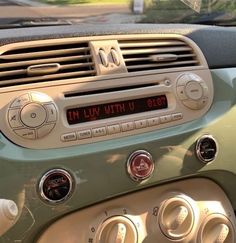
(122, 127)
(32, 115)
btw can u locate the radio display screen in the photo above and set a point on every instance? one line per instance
(115, 109)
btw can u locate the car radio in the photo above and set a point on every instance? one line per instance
(87, 112)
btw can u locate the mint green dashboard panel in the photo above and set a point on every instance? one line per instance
(99, 169)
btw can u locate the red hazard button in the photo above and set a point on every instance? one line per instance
(140, 165)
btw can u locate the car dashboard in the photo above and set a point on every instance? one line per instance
(120, 133)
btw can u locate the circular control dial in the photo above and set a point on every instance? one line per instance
(32, 115)
(117, 229)
(217, 228)
(176, 218)
(192, 91)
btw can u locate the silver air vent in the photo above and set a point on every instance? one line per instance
(49, 61)
(155, 54)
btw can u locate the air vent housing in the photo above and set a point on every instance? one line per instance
(49, 61)
(155, 54)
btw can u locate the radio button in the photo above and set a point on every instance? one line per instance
(21, 101)
(165, 119)
(202, 102)
(140, 124)
(181, 93)
(183, 80)
(52, 112)
(26, 133)
(100, 131)
(177, 116)
(45, 130)
(33, 115)
(113, 129)
(40, 97)
(84, 134)
(67, 137)
(128, 126)
(153, 121)
(14, 118)
(191, 104)
(205, 89)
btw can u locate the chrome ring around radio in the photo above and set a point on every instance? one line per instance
(45, 177)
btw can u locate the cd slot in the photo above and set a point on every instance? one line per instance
(110, 90)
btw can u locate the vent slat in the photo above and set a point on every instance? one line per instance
(138, 59)
(154, 50)
(76, 65)
(144, 55)
(151, 44)
(12, 73)
(62, 67)
(147, 66)
(46, 60)
(48, 77)
(43, 53)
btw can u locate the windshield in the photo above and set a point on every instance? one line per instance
(22, 13)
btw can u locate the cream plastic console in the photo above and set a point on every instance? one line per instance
(177, 212)
(35, 114)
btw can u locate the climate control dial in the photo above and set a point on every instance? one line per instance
(217, 228)
(117, 229)
(32, 115)
(176, 217)
(192, 91)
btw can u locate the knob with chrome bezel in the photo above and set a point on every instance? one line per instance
(192, 90)
(32, 115)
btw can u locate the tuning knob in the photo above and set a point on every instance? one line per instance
(32, 115)
(192, 91)
(217, 229)
(176, 218)
(117, 229)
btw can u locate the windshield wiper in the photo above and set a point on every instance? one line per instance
(225, 23)
(215, 18)
(32, 22)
